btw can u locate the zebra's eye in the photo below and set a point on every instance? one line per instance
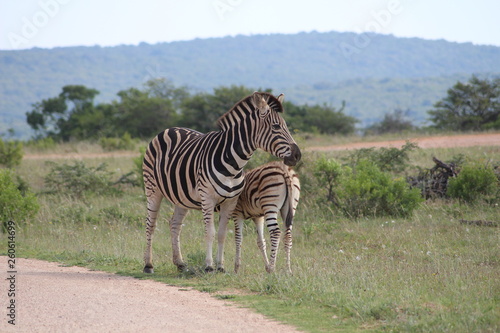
(276, 127)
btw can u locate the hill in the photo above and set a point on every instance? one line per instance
(372, 73)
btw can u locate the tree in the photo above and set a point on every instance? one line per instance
(52, 117)
(392, 123)
(165, 89)
(44, 116)
(144, 113)
(201, 111)
(319, 118)
(471, 106)
(140, 113)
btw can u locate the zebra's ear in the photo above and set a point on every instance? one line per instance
(281, 98)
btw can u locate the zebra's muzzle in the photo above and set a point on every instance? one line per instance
(294, 157)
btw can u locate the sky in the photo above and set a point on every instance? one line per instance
(26, 24)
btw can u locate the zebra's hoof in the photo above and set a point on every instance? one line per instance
(209, 269)
(181, 267)
(270, 269)
(221, 270)
(148, 269)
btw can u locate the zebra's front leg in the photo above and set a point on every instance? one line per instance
(275, 235)
(226, 210)
(261, 242)
(208, 218)
(153, 207)
(175, 235)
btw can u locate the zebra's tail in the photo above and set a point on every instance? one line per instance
(289, 197)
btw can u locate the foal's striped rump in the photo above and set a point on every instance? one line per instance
(269, 189)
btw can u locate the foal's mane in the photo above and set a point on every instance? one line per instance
(272, 101)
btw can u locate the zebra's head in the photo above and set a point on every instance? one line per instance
(272, 133)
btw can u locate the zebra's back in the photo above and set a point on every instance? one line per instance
(172, 165)
(272, 186)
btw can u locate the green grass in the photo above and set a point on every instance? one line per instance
(427, 273)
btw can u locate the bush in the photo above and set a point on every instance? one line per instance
(14, 204)
(368, 191)
(329, 172)
(474, 182)
(387, 159)
(42, 144)
(138, 166)
(11, 153)
(125, 142)
(79, 180)
(395, 122)
(259, 158)
(365, 190)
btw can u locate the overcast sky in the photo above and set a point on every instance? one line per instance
(55, 23)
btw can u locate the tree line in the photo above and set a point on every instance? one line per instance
(73, 114)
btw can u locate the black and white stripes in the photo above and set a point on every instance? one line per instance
(269, 189)
(201, 171)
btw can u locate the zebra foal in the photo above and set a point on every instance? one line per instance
(269, 189)
(204, 171)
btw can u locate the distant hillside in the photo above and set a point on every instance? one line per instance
(373, 77)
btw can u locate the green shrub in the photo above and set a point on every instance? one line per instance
(474, 182)
(368, 191)
(259, 158)
(42, 144)
(79, 180)
(125, 142)
(387, 159)
(14, 204)
(138, 166)
(11, 153)
(365, 190)
(328, 172)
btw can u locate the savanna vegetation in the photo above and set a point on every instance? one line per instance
(368, 254)
(371, 251)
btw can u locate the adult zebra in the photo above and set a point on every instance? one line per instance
(269, 189)
(202, 171)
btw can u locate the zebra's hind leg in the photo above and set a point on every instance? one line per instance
(175, 235)
(153, 206)
(261, 242)
(275, 235)
(288, 247)
(238, 238)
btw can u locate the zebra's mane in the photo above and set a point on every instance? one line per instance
(272, 101)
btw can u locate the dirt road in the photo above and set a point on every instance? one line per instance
(423, 142)
(50, 298)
